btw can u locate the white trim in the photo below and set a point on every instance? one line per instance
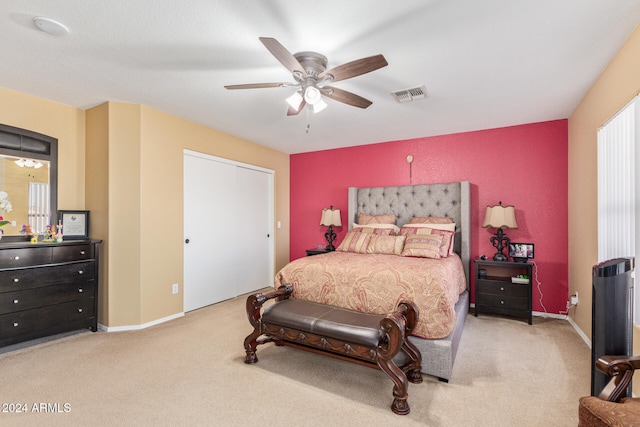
(139, 327)
(579, 331)
(227, 161)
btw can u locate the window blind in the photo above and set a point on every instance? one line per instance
(618, 232)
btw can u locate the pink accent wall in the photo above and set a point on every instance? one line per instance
(525, 166)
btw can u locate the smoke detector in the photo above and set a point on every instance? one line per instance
(409, 95)
(50, 26)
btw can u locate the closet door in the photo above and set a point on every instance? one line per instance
(253, 230)
(209, 269)
(228, 220)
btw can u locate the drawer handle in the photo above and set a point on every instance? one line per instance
(15, 301)
(79, 310)
(15, 324)
(501, 288)
(16, 257)
(80, 272)
(82, 252)
(16, 280)
(80, 290)
(501, 302)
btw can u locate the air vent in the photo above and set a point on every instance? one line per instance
(408, 95)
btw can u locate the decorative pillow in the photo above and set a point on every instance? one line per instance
(364, 219)
(390, 245)
(380, 229)
(430, 220)
(422, 245)
(355, 242)
(448, 236)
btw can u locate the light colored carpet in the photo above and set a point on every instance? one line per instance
(190, 371)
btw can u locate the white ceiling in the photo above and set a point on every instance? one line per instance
(485, 64)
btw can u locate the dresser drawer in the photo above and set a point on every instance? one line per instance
(502, 288)
(71, 253)
(28, 278)
(39, 322)
(48, 295)
(24, 257)
(503, 301)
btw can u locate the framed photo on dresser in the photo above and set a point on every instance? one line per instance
(75, 224)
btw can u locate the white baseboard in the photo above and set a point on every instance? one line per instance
(138, 327)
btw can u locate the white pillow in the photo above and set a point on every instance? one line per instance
(447, 227)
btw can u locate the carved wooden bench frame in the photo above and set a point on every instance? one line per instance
(395, 327)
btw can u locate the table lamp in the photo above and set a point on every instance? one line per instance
(330, 218)
(500, 217)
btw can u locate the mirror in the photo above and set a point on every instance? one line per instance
(28, 181)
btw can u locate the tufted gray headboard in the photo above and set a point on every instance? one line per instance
(452, 200)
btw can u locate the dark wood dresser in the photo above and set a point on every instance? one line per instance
(47, 288)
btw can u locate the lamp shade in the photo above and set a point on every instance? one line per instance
(500, 217)
(331, 217)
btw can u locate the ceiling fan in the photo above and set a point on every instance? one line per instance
(309, 70)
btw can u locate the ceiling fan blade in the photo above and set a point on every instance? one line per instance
(258, 85)
(345, 97)
(293, 112)
(283, 55)
(355, 68)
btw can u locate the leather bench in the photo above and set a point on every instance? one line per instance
(367, 339)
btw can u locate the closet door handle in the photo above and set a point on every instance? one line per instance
(186, 241)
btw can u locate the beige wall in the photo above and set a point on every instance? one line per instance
(65, 123)
(133, 188)
(616, 86)
(144, 217)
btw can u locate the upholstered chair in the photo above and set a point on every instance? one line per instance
(610, 407)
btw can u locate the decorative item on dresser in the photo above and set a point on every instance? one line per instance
(330, 218)
(47, 288)
(500, 217)
(504, 288)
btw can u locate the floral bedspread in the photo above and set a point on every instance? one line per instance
(376, 283)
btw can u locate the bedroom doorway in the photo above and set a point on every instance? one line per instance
(228, 229)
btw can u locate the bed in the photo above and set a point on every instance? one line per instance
(373, 282)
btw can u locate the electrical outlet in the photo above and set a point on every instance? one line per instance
(574, 299)
(174, 288)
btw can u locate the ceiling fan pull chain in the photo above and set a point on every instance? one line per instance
(308, 121)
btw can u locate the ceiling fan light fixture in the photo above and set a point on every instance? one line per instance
(295, 100)
(312, 95)
(319, 106)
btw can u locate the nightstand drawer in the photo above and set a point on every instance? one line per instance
(503, 301)
(502, 288)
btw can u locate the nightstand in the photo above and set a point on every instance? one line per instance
(311, 252)
(496, 293)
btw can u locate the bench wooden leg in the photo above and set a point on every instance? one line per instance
(393, 325)
(413, 367)
(253, 306)
(400, 405)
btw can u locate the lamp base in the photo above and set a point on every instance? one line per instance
(499, 257)
(500, 241)
(330, 235)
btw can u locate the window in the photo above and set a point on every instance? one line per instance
(618, 188)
